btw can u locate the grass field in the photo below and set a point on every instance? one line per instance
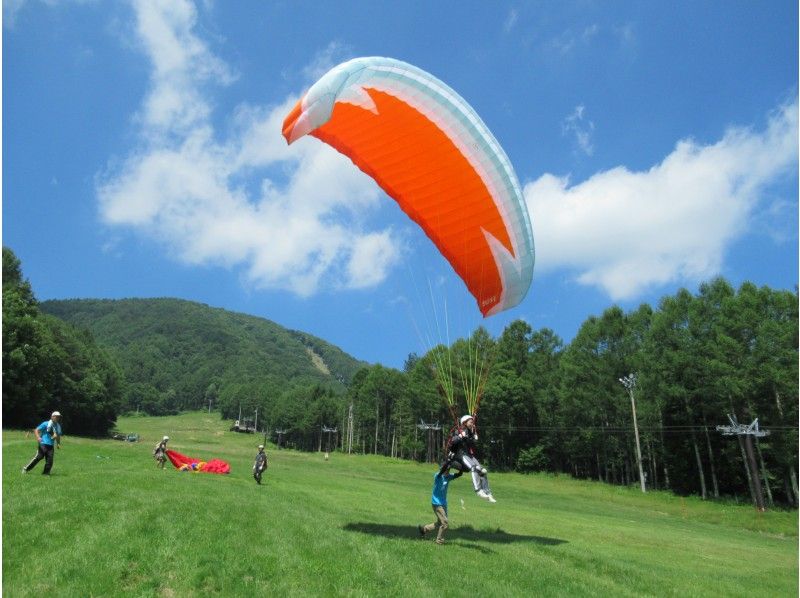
(107, 523)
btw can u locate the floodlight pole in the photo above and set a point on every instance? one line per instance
(629, 382)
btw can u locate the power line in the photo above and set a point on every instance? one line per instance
(676, 428)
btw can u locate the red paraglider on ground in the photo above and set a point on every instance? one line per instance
(184, 463)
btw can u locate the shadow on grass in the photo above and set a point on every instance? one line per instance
(464, 532)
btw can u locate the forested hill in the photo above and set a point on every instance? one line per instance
(178, 354)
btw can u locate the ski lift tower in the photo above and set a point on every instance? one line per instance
(748, 432)
(329, 431)
(430, 455)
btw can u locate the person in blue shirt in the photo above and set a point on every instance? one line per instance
(48, 436)
(441, 480)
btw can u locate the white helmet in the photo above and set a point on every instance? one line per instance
(55, 413)
(466, 418)
(260, 446)
(166, 437)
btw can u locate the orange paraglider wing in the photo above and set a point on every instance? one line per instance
(429, 151)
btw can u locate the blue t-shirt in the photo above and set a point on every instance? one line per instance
(440, 483)
(46, 431)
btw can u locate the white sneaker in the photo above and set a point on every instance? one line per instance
(24, 470)
(482, 494)
(491, 498)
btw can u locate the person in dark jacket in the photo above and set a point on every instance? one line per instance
(462, 456)
(160, 452)
(260, 466)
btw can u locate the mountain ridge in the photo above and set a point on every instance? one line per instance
(183, 352)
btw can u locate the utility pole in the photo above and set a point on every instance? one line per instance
(737, 429)
(431, 428)
(350, 429)
(255, 423)
(629, 382)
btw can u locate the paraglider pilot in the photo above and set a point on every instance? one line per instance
(160, 452)
(260, 466)
(462, 456)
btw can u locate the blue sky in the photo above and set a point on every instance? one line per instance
(657, 145)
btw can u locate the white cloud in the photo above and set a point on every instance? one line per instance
(181, 64)
(590, 32)
(626, 35)
(511, 20)
(12, 8)
(325, 60)
(214, 200)
(189, 190)
(580, 128)
(627, 231)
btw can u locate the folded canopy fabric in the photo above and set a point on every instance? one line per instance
(184, 463)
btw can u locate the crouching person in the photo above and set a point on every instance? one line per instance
(441, 481)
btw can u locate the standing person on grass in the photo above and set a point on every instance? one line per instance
(48, 436)
(260, 466)
(160, 452)
(441, 480)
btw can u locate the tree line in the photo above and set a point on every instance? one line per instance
(561, 408)
(51, 365)
(546, 405)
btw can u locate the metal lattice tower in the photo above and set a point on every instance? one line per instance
(747, 432)
(431, 443)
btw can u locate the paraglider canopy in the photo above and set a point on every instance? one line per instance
(184, 463)
(430, 151)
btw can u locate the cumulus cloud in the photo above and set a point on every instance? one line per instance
(293, 217)
(625, 232)
(183, 186)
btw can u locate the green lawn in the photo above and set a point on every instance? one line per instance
(107, 522)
